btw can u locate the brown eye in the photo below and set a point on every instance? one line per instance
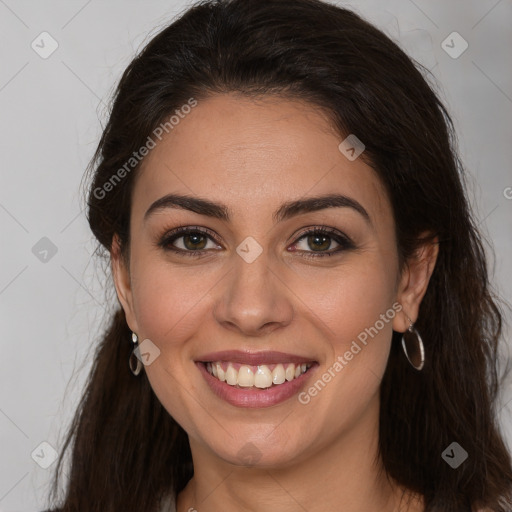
(188, 241)
(194, 241)
(320, 240)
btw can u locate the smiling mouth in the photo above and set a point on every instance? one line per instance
(261, 376)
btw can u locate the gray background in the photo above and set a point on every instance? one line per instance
(51, 115)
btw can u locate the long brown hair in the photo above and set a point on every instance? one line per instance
(127, 452)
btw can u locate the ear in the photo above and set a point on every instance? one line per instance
(414, 282)
(122, 282)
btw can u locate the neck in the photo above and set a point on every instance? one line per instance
(346, 475)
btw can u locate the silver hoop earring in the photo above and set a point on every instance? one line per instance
(412, 345)
(134, 362)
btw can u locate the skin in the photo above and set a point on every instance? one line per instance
(253, 156)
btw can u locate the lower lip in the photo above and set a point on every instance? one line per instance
(255, 397)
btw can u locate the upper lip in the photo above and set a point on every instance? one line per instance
(253, 358)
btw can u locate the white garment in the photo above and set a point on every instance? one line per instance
(168, 504)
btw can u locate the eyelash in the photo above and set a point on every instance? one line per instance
(344, 242)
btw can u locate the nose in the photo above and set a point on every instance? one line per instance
(253, 299)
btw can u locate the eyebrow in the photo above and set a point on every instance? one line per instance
(284, 212)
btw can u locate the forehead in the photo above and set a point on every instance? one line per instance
(255, 153)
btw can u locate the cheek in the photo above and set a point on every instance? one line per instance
(170, 305)
(168, 299)
(350, 299)
(354, 310)
(359, 340)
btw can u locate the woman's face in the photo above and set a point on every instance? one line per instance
(256, 289)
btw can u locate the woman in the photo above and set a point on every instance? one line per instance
(304, 301)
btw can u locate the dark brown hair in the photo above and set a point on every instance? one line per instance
(127, 451)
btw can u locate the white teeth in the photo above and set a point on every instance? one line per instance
(278, 375)
(231, 376)
(221, 374)
(262, 378)
(245, 377)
